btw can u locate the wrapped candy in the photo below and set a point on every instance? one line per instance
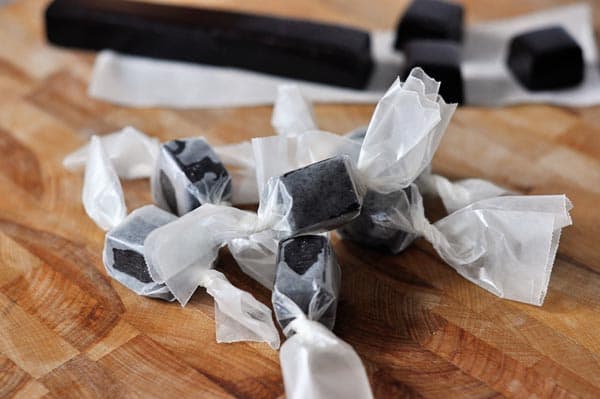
(486, 238)
(134, 155)
(315, 363)
(505, 245)
(319, 197)
(238, 315)
(309, 276)
(123, 254)
(189, 174)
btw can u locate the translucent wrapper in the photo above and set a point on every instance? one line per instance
(238, 315)
(292, 113)
(505, 245)
(102, 195)
(313, 360)
(239, 159)
(458, 194)
(316, 364)
(131, 152)
(181, 255)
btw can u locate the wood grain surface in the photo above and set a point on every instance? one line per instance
(69, 331)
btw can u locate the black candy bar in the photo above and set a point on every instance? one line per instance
(189, 175)
(323, 195)
(124, 250)
(440, 59)
(546, 59)
(288, 47)
(375, 228)
(309, 276)
(430, 19)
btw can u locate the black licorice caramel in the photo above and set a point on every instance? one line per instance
(292, 48)
(440, 59)
(430, 19)
(321, 196)
(546, 59)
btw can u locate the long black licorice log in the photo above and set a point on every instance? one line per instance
(288, 47)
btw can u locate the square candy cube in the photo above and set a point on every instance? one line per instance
(189, 174)
(307, 276)
(374, 227)
(123, 255)
(440, 59)
(546, 59)
(321, 196)
(430, 19)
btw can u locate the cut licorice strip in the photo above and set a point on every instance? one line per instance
(293, 48)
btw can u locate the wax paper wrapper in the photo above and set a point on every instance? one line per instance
(454, 195)
(505, 245)
(458, 194)
(131, 152)
(181, 255)
(102, 195)
(301, 119)
(313, 359)
(134, 155)
(315, 363)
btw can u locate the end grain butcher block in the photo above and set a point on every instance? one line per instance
(68, 330)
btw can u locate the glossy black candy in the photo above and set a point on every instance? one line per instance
(430, 19)
(189, 174)
(309, 277)
(546, 59)
(323, 195)
(293, 48)
(440, 59)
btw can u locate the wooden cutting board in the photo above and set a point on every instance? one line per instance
(67, 330)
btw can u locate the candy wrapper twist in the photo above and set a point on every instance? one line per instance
(315, 363)
(238, 315)
(504, 244)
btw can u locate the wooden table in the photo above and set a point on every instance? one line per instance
(67, 330)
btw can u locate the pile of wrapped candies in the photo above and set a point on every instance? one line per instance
(366, 185)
